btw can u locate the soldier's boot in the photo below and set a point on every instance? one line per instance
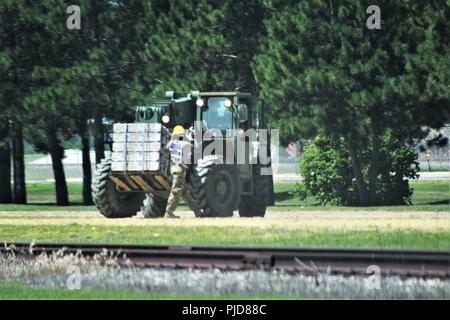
(170, 215)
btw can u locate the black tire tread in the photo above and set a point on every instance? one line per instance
(106, 198)
(197, 181)
(153, 206)
(255, 205)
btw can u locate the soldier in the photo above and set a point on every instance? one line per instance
(178, 170)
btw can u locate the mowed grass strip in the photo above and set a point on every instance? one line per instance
(207, 235)
(18, 291)
(428, 196)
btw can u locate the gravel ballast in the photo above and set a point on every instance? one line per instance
(103, 272)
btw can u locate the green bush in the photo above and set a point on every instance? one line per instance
(327, 171)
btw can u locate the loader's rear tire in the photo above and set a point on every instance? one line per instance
(109, 200)
(214, 188)
(154, 206)
(255, 205)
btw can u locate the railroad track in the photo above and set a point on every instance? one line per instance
(417, 263)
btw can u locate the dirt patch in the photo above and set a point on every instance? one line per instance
(301, 220)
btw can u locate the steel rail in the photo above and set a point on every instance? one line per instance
(418, 263)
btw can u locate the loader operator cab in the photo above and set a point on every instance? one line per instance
(223, 110)
(217, 110)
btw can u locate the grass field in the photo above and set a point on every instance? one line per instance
(425, 224)
(17, 291)
(428, 196)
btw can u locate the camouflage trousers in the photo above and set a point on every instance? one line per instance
(179, 188)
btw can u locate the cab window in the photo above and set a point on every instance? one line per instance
(216, 115)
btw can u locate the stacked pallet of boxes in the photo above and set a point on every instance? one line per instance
(139, 150)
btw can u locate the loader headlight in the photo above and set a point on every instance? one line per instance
(165, 118)
(227, 103)
(200, 103)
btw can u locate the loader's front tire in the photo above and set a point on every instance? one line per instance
(214, 188)
(154, 206)
(255, 205)
(109, 200)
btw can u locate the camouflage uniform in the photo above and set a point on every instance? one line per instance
(178, 172)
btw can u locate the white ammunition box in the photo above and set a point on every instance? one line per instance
(153, 166)
(137, 127)
(139, 147)
(135, 156)
(136, 146)
(138, 137)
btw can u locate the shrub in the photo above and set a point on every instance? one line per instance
(327, 171)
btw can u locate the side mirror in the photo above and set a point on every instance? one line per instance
(243, 113)
(170, 94)
(195, 94)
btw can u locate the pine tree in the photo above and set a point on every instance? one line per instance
(15, 64)
(41, 92)
(322, 63)
(185, 46)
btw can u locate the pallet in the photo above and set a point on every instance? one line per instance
(140, 161)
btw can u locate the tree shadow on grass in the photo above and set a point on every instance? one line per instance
(285, 195)
(282, 196)
(439, 202)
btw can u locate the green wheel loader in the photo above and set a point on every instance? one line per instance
(229, 162)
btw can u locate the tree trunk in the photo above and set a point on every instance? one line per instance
(5, 167)
(400, 184)
(390, 185)
(20, 193)
(357, 171)
(250, 82)
(87, 172)
(374, 165)
(99, 133)
(57, 154)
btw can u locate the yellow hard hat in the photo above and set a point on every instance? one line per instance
(178, 130)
